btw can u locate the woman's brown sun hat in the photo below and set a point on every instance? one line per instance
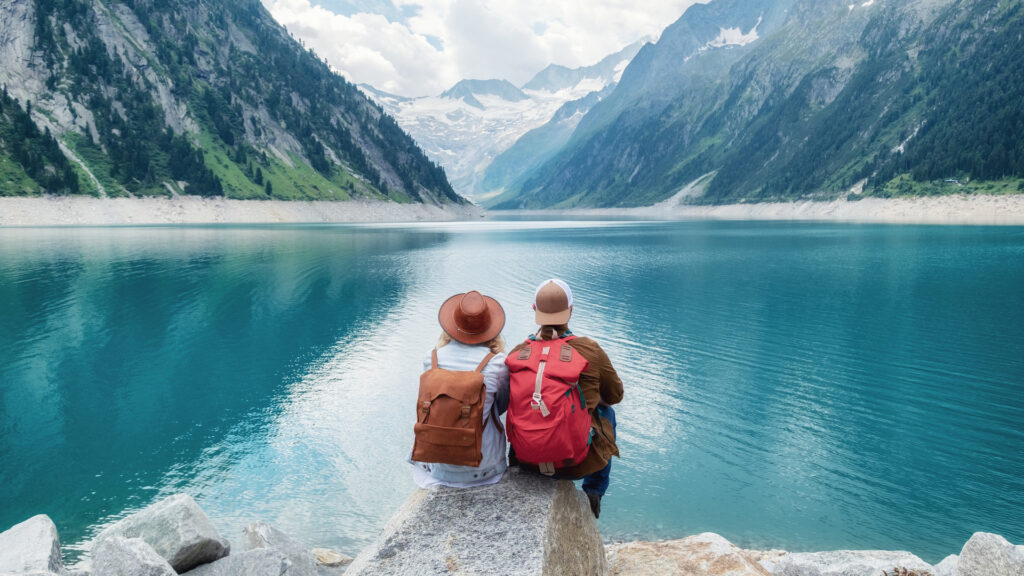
(471, 318)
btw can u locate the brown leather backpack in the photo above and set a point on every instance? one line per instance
(450, 415)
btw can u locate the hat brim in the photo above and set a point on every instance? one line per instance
(446, 317)
(552, 318)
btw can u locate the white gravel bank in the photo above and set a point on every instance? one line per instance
(973, 209)
(87, 211)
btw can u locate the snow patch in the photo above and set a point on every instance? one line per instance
(734, 37)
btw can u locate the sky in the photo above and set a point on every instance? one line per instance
(423, 47)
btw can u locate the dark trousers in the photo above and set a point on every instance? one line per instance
(597, 483)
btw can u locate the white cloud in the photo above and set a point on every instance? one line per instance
(511, 39)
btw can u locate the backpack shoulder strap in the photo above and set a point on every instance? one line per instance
(496, 418)
(433, 358)
(483, 363)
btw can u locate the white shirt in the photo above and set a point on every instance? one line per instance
(459, 356)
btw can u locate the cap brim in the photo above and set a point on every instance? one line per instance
(552, 318)
(446, 317)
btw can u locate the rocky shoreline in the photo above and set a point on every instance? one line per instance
(89, 211)
(174, 536)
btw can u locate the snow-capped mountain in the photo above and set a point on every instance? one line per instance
(467, 126)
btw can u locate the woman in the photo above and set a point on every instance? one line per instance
(470, 341)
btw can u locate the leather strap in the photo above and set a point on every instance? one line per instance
(433, 358)
(483, 363)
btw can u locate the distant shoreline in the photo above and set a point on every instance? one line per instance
(90, 211)
(975, 210)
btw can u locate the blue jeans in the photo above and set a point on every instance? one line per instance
(597, 483)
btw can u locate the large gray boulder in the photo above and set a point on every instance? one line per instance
(117, 556)
(844, 563)
(260, 535)
(177, 528)
(990, 555)
(32, 545)
(704, 554)
(948, 566)
(262, 562)
(526, 524)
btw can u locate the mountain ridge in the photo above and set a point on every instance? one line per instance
(836, 101)
(204, 97)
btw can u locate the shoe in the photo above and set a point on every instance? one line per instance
(595, 504)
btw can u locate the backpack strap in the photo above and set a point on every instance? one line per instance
(496, 418)
(483, 363)
(433, 358)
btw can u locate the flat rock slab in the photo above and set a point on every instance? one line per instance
(177, 529)
(117, 556)
(262, 562)
(844, 563)
(990, 555)
(524, 525)
(701, 555)
(31, 546)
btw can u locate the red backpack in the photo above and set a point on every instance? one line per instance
(547, 423)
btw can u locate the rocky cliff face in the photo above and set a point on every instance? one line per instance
(206, 97)
(780, 100)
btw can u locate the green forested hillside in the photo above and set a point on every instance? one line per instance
(30, 160)
(918, 97)
(209, 97)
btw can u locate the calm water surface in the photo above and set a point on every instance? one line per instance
(799, 386)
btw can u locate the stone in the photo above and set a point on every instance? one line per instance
(948, 566)
(990, 555)
(525, 524)
(704, 555)
(260, 535)
(261, 562)
(330, 558)
(117, 556)
(177, 528)
(844, 563)
(32, 545)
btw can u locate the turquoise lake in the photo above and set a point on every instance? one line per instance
(800, 386)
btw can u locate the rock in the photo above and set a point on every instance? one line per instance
(261, 562)
(330, 558)
(704, 555)
(844, 563)
(948, 566)
(177, 529)
(32, 545)
(117, 556)
(990, 555)
(261, 535)
(525, 524)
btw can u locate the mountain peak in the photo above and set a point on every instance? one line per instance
(557, 77)
(468, 90)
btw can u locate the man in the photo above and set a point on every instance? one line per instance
(599, 383)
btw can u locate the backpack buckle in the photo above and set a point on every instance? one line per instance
(465, 411)
(426, 407)
(537, 399)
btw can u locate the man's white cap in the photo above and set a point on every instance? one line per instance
(552, 303)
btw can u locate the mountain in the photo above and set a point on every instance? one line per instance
(208, 97)
(470, 124)
(468, 90)
(783, 100)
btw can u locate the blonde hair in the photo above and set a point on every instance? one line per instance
(496, 344)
